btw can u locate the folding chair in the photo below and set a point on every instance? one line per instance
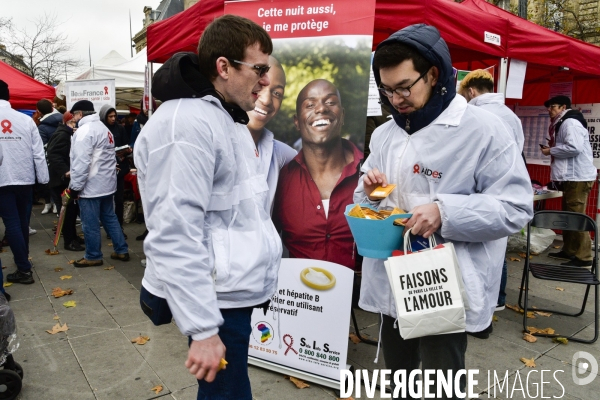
(569, 221)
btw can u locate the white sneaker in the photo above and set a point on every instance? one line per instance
(54, 210)
(32, 231)
(143, 262)
(47, 208)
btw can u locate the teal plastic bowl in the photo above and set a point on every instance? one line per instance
(376, 238)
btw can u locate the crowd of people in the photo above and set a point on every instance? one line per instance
(223, 198)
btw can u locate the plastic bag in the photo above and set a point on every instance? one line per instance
(541, 239)
(9, 342)
(129, 211)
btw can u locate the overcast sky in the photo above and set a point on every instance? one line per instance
(103, 24)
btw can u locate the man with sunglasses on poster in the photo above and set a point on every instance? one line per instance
(212, 250)
(459, 172)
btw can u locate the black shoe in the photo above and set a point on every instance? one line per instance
(74, 246)
(124, 234)
(561, 255)
(80, 239)
(576, 262)
(25, 278)
(7, 296)
(142, 236)
(484, 334)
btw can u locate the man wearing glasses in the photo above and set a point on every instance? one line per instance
(212, 250)
(459, 172)
(572, 168)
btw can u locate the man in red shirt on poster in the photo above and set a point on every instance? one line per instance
(318, 184)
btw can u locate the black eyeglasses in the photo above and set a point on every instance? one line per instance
(261, 69)
(404, 92)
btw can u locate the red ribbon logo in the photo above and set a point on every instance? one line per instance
(290, 344)
(106, 90)
(416, 168)
(110, 138)
(6, 124)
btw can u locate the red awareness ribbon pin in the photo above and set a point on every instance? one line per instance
(6, 125)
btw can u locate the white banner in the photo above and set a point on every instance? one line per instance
(99, 92)
(313, 303)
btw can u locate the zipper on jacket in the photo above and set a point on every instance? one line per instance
(407, 126)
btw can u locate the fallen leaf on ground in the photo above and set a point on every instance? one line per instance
(528, 362)
(556, 247)
(355, 339)
(70, 303)
(515, 259)
(561, 340)
(515, 308)
(141, 340)
(300, 384)
(4, 267)
(30, 258)
(57, 328)
(522, 255)
(110, 244)
(529, 338)
(345, 398)
(51, 252)
(543, 314)
(533, 253)
(530, 315)
(534, 307)
(547, 331)
(522, 288)
(7, 284)
(109, 268)
(56, 317)
(560, 289)
(62, 278)
(58, 269)
(495, 318)
(58, 292)
(157, 389)
(72, 262)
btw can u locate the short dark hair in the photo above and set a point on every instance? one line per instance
(4, 92)
(44, 106)
(229, 36)
(396, 53)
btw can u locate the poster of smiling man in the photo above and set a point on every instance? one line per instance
(319, 82)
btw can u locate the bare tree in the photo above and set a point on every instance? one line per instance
(5, 24)
(45, 49)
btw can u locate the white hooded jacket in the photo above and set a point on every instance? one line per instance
(573, 160)
(93, 161)
(468, 163)
(211, 243)
(494, 103)
(24, 158)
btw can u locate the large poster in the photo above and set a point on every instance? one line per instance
(306, 326)
(315, 39)
(536, 121)
(99, 92)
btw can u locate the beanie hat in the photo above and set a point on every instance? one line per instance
(82, 105)
(4, 93)
(560, 100)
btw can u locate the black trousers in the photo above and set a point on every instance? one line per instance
(438, 352)
(69, 230)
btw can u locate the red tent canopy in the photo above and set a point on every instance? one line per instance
(24, 90)
(182, 31)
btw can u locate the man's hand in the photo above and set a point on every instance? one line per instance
(204, 358)
(373, 179)
(545, 151)
(68, 174)
(425, 221)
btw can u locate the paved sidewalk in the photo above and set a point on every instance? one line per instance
(95, 358)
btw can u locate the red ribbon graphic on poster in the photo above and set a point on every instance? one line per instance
(6, 125)
(106, 90)
(290, 344)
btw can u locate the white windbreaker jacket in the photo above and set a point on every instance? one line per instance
(211, 243)
(573, 159)
(494, 103)
(472, 168)
(24, 158)
(93, 160)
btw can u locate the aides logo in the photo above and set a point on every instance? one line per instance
(263, 333)
(429, 174)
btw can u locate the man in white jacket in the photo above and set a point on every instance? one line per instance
(212, 250)
(23, 161)
(460, 174)
(478, 88)
(94, 181)
(572, 168)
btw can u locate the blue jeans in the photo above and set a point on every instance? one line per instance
(232, 382)
(100, 209)
(15, 211)
(502, 294)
